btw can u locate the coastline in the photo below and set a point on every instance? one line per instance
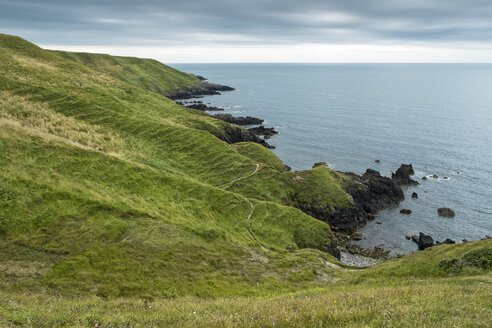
(371, 192)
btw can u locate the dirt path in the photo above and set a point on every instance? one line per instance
(257, 167)
(248, 226)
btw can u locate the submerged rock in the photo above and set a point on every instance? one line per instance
(415, 195)
(444, 211)
(405, 211)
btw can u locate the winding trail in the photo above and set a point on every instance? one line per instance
(248, 227)
(257, 167)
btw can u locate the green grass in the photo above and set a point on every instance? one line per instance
(120, 208)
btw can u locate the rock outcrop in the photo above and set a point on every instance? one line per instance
(262, 131)
(424, 241)
(320, 164)
(403, 174)
(369, 193)
(200, 106)
(233, 134)
(198, 90)
(248, 120)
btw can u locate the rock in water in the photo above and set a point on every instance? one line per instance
(415, 195)
(425, 241)
(248, 120)
(265, 132)
(447, 212)
(402, 175)
(356, 236)
(405, 211)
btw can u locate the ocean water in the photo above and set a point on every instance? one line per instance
(436, 116)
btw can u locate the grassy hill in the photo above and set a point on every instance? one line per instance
(119, 207)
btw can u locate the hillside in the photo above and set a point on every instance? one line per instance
(113, 196)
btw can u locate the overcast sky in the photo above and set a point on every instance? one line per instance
(176, 31)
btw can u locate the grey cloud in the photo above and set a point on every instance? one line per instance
(199, 22)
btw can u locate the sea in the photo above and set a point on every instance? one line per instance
(437, 117)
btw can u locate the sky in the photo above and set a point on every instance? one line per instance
(207, 31)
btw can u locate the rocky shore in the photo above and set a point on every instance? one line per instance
(199, 105)
(370, 193)
(198, 91)
(232, 133)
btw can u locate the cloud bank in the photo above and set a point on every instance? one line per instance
(260, 30)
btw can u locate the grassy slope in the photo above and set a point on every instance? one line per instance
(105, 176)
(109, 189)
(148, 74)
(377, 297)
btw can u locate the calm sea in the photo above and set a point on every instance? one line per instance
(437, 117)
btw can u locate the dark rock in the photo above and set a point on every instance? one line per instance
(402, 175)
(320, 164)
(379, 222)
(464, 240)
(201, 106)
(405, 211)
(287, 168)
(449, 241)
(262, 131)
(445, 178)
(408, 237)
(487, 237)
(435, 176)
(370, 193)
(424, 178)
(415, 195)
(425, 241)
(447, 212)
(248, 120)
(377, 161)
(356, 236)
(198, 90)
(233, 134)
(201, 78)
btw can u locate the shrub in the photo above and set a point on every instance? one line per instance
(480, 258)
